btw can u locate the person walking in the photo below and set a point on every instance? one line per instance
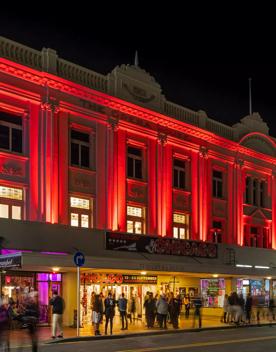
(4, 326)
(162, 311)
(109, 308)
(187, 305)
(31, 317)
(57, 303)
(248, 308)
(150, 307)
(225, 317)
(122, 305)
(132, 310)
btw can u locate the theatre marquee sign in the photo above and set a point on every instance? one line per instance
(159, 245)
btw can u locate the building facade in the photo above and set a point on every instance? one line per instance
(84, 156)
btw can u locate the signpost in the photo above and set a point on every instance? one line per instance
(79, 260)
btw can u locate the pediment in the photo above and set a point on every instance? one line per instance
(259, 143)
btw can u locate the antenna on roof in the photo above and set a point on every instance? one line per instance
(250, 96)
(136, 61)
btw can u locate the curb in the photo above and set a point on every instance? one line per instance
(151, 333)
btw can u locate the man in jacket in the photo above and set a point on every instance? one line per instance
(162, 311)
(109, 308)
(58, 307)
(122, 305)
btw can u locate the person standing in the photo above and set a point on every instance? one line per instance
(58, 307)
(109, 305)
(122, 305)
(150, 307)
(97, 311)
(4, 326)
(197, 314)
(31, 318)
(162, 311)
(248, 308)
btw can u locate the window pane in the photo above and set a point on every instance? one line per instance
(175, 178)
(134, 151)
(74, 219)
(138, 168)
(79, 203)
(179, 163)
(138, 227)
(219, 189)
(85, 156)
(16, 212)
(134, 211)
(16, 120)
(182, 179)
(130, 162)
(214, 188)
(74, 154)
(130, 226)
(179, 218)
(16, 140)
(181, 233)
(84, 220)
(175, 232)
(84, 137)
(4, 137)
(4, 211)
(217, 174)
(11, 193)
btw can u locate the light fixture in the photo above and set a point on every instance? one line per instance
(143, 273)
(55, 269)
(261, 267)
(215, 275)
(269, 278)
(243, 266)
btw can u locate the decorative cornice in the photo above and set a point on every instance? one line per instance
(203, 152)
(162, 138)
(113, 124)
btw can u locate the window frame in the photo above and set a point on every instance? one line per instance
(216, 181)
(135, 157)
(179, 169)
(10, 202)
(80, 143)
(135, 219)
(12, 126)
(81, 211)
(178, 226)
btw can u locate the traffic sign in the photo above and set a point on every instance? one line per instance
(79, 259)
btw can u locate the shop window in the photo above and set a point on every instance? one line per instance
(217, 232)
(134, 163)
(179, 174)
(10, 132)
(217, 184)
(213, 292)
(181, 226)
(80, 212)
(11, 203)
(135, 220)
(80, 149)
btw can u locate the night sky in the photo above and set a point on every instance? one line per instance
(192, 71)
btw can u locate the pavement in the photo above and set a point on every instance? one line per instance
(136, 328)
(255, 339)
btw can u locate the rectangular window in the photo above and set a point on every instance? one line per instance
(217, 184)
(135, 220)
(247, 190)
(255, 190)
(179, 173)
(262, 194)
(10, 132)
(80, 149)
(80, 212)
(134, 163)
(11, 203)
(181, 228)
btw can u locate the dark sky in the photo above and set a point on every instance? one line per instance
(199, 71)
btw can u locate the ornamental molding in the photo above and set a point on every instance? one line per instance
(162, 138)
(203, 152)
(124, 111)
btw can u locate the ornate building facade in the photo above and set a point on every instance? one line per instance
(98, 153)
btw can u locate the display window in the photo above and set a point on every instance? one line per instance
(213, 292)
(258, 288)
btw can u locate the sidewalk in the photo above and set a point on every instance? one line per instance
(20, 337)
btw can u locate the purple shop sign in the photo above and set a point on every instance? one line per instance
(129, 242)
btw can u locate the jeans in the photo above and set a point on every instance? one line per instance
(123, 314)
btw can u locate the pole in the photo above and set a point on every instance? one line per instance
(78, 301)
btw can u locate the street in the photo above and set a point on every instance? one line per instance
(242, 339)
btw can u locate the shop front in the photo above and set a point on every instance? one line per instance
(17, 284)
(134, 287)
(213, 292)
(258, 288)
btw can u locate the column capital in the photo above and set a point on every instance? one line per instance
(113, 123)
(239, 162)
(162, 138)
(203, 152)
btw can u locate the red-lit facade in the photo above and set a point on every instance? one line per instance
(111, 153)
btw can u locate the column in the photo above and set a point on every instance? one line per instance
(121, 180)
(230, 205)
(63, 165)
(203, 192)
(152, 200)
(238, 203)
(273, 199)
(194, 196)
